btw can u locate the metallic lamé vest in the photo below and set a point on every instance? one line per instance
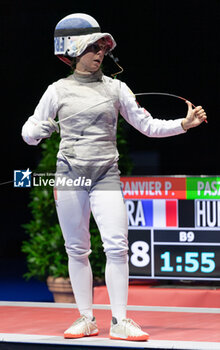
(89, 136)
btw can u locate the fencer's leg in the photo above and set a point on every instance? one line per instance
(109, 211)
(116, 276)
(73, 211)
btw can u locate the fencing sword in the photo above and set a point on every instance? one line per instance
(55, 123)
(163, 94)
(167, 94)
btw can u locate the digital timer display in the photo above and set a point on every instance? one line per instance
(151, 258)
(193, 261)
(189, 253)
(190, 263)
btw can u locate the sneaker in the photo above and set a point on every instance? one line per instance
(126, 329)
(83, 327)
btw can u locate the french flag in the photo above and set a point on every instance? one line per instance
(160, 213)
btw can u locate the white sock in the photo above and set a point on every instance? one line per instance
(81, 279)
(116, 276)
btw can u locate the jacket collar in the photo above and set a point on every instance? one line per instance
(88, 78)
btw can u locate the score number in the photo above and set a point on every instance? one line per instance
(140, 256)
(192, 262)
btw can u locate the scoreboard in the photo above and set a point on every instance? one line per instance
(173, 227)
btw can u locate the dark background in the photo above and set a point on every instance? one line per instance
(168, 46)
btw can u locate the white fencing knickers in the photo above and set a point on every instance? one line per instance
(108, 208)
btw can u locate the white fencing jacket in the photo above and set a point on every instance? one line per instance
(91, 135)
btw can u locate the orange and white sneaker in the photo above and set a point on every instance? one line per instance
(83, 327)
(126, 329)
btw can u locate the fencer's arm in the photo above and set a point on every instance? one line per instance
(142, 120)
(37, 126)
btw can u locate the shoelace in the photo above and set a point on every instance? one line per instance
(86, 320)
(130, 323)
